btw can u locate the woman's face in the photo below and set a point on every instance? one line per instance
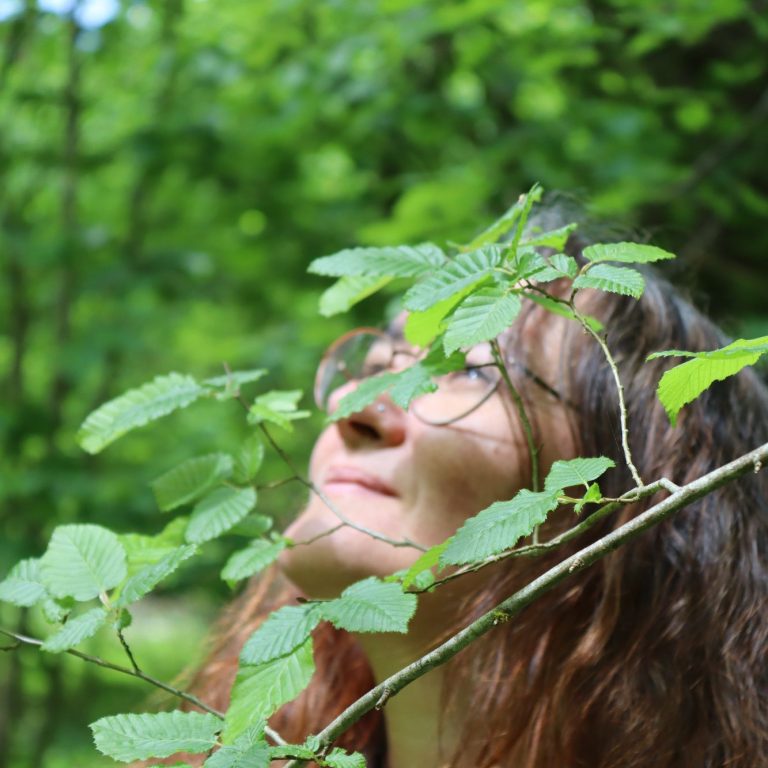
(387, 470)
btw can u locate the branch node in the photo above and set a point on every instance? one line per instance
(575, 565)
(758, 465)
(384, 698)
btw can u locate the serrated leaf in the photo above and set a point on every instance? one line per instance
(593, 495)
(259, 691)
(579, 471)
(339, 758)
(76, 630)
(499, 527)
(150, 576)
(421, 328)
(248, 751)
(482, 316)
(371, 606)
(55, 611)
(23, 586)
(465, 271)
(389, 261)
(366, 392)
(509, 219)
(234, 379)
(254, 558)
(135, 408)
(82, 561)
(627, 253)
(191, 479)
(146, 550)
(553, 238)
(248, 459)
(348, 291)
(298, 751)
(138, 737)
(217, 512)
(734, 349)
(604, 277)
(684, 383)
(425, 562)
(252, 526)
(277, 407)
(282, 632)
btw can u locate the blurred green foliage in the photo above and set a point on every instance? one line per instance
(168, 168)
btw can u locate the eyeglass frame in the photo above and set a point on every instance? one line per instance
(392, 340)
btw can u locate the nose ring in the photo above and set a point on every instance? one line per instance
(380, 408)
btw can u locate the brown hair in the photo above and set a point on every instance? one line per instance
(656, 655)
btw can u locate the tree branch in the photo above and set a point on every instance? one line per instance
(685, 495)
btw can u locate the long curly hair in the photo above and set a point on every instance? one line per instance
(657, 655)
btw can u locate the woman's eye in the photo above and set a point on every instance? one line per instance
(475, 373)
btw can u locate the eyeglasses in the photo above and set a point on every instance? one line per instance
(365, 352)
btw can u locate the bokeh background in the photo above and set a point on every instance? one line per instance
(168, 168)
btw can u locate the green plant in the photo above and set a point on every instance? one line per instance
(90, 576)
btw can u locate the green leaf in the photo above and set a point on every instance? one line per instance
(254, 558)
(371, 606)
(291, 750)
(252, 526)
(391, 261)
(480, 317)
(627, 253)
(593, 495)
(277, 407)
(82, 561)
(734, 349)
(259, 691)
(282, 632)
(23, 585)
(218, 512)
(146, 550)
(76, 630)
(339, 758)
(137, 407)
(553, 238)
(462, 272)
(558, 308)
(366, 392)
(503, 224)
(55, 611)
(150, 576)
(191, 479)
(604, 277)
(348, 291)
(426, 562)
(499, 527)
(421, 328)
(248, 751)
(234, 379)
(684, 383)
(579, 471)
(138, 737)
(249, 459)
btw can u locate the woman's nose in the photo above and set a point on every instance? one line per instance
(380, 424)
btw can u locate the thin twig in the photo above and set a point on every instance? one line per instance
(513, 605)
(533, 451)
(128, 651)
(320, 535)
(620, 390)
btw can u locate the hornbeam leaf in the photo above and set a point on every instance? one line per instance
(627, 253)
(137, 407)
(426, 562)
(465, 271)
(391, 261)
(282, 632)
(261, 690)
(234, 379)
(684, 383)
(348, 291)
(138, 737)
(191, 479)
(23, 585)
(579, 471)
(151, 575)
(147, 550)
(76, 630)
(249, 750)
(338, 758)
(498, 527)
(734, 349)
(277, 407)
(254, 558)
(371, 606)
(82, 561)
(217, 512)
(604, 277)
(249, 458)
(482, 316)
(553, 238)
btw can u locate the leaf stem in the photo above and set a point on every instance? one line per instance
(128, 651)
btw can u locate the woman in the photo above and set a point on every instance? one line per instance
(655, 656)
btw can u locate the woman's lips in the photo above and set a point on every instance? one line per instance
(352, 479)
